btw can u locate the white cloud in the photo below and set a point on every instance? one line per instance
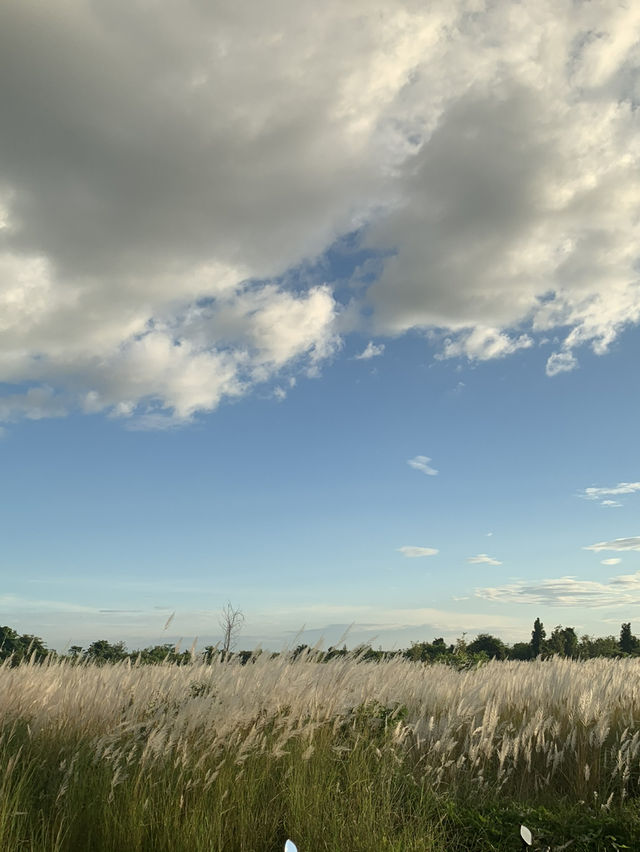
(371, 350)
(632, 543)
(483, 344)
(421, 463)
(490, 161)
(561, 362)
(415, 552)
(483, 559)
(593, 493)
(615, 560)
(568, 591)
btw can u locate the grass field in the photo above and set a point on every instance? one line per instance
(343, 755)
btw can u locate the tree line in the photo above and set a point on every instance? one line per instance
(562, 641)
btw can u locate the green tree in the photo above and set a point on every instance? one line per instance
(9, 642)
(75, 652)
(102, 651)
(156, 654)
(538, 635)
(21, 648)
(598, 646)
(563, 641)
(628, 642)
(493, 647)
(520, 651)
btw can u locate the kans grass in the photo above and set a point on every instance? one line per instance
(343, 755)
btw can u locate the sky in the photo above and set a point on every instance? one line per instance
(328, 310)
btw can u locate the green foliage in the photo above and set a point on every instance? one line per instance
(101, 651)
(563, 642)
(598, 646)
(520, 651)
(157, 654)
(461, 655)
(20, 648)
(493, 647)
(628, 642)
(538, 635)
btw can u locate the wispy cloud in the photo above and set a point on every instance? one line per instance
(615, 560)
(483, 559)
(414, 552)
(632, 543)
(421, 463)
(561, 362)
(604, 495)
(568, 591)
(372, 350)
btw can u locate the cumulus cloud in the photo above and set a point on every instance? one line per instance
(371, 350)
(421, 463)
(523, 131)
(166, 180)
(632, 543)
(483, 559)
(415, 552)
(568, 591)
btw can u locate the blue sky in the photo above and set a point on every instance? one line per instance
(336, 334)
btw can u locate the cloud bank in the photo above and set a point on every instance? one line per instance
(166, 181)
(568, 591)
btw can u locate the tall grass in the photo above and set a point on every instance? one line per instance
(344, 754)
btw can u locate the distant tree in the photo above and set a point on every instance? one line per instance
(33, 648)
(21, 648)
(156, 654)
(300, 650)
(493, 647)
(231, 621)
(520, 651)
(102, 651)
(538, 635)
(598, 646)
(210, 653)
(428, 652)
(563, 641)
(628, 642)
(9, 642)
(75, 652)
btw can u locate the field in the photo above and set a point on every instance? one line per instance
(342, 755)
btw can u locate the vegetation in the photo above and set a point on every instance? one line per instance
(562, 642)
(375, 755)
